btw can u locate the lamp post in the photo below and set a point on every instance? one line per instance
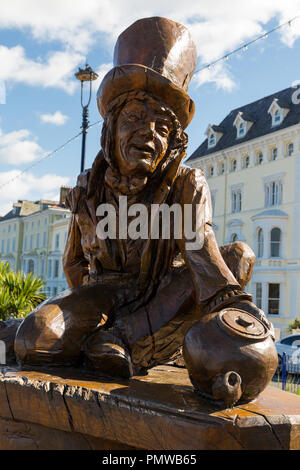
(85, 75)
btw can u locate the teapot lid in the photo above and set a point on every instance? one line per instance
(241, 323)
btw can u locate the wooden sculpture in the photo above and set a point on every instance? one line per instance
(132, 301)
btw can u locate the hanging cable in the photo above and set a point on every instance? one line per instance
(245, 46)
(48, 155)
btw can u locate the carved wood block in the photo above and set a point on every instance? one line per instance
(67, 410)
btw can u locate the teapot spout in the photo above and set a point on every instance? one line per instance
(227, 388)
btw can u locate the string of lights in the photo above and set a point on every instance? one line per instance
(245, 46)
(48, 155)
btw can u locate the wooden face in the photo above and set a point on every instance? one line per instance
(142, 137)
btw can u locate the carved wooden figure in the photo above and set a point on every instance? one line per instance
(132, 302)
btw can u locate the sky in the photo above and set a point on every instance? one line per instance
(42, 44)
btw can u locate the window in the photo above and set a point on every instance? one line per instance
(54, 290)
(57, 237)
(233, 237)
(212, 140)
(258, 294)
(50, 268)
(30, 266)
(2, 246)
(277, 117)
(44, 238)
(236, 200)
(56, 268)
(275, 242)
(241, 130)
(13, 245)
(42, 266)
(31, 242)
(233, 165)
(260, 243)
(260, 158)
(222, 168)
(15, 227)
(25, 242)
(290, 149)
(273, 193)
(246, 161)
(274, 153)
(274, 299)
(291, 340)
(37, 244)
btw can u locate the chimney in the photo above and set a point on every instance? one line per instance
(64, 190)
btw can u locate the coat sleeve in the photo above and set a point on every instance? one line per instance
(197, 244)
(75, 265)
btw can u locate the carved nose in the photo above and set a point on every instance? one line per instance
(227, 388)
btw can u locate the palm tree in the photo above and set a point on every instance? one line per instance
(19, 294)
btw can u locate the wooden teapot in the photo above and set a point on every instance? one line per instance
(230, 356)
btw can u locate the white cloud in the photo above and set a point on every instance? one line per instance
(56, 71)
(217, 27)
(28, 186)
(18, 147)
(56, 118)
(218, 75)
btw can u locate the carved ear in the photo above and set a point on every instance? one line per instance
(227, 388)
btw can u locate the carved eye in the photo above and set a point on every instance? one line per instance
(163, 130)
(132, 117)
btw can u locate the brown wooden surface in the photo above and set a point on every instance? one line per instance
(158, 411)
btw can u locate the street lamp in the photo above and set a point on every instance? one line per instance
(85, 75)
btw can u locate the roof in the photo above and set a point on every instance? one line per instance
(262, 122)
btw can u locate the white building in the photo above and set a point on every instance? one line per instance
(32, 239)
(252, 164)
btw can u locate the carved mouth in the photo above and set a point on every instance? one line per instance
(144, 148)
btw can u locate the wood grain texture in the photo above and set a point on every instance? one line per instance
(158, 411)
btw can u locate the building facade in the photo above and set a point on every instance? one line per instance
(32, 239)
(252, 164)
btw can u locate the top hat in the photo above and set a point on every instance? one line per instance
(156, 55)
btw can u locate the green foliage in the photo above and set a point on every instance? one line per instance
(294, 324)
(19, 294)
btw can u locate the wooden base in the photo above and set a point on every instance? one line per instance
(63, 409)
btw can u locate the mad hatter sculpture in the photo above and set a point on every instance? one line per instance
(133, 302)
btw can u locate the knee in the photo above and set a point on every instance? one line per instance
(40, 338)
(240, 259)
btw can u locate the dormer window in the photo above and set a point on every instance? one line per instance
(212, 140)
(277, 116)
(278, 111)
(241, 131)
(214, 134)
(242, 124)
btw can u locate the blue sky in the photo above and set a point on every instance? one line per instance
(43, 43)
